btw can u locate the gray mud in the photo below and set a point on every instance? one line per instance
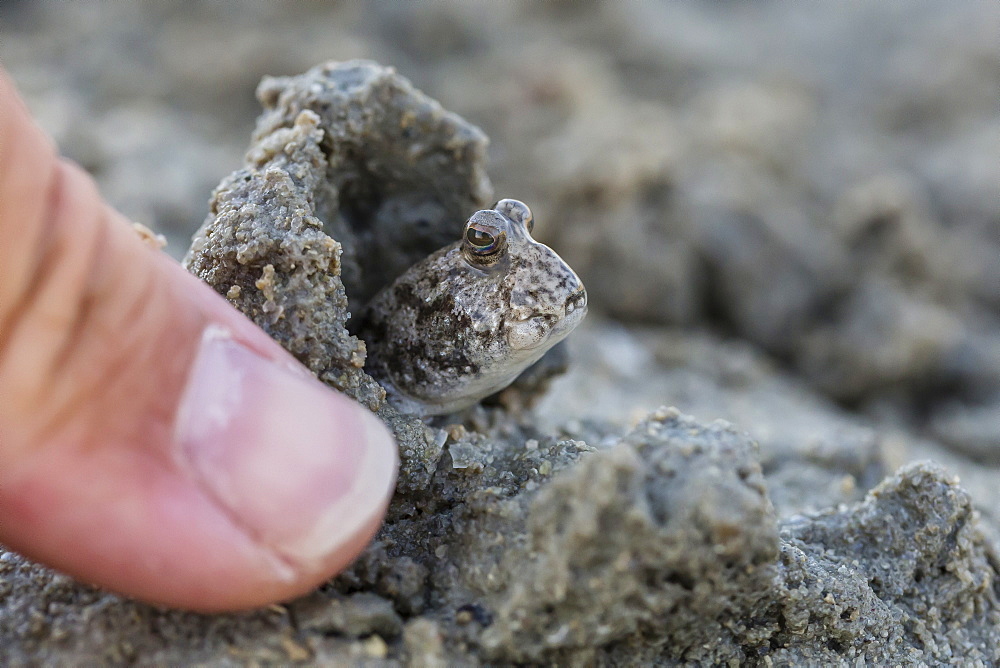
(798, 238)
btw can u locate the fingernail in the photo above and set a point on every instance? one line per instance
(297, 466)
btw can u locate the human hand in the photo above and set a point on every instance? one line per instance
(153, 440)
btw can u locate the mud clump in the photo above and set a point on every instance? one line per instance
(668, 534)
(906, 575)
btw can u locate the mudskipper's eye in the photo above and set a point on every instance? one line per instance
(483, 242)
(517, 211)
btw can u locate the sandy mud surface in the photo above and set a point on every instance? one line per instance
(777, 435)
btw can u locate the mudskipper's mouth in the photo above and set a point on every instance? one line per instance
(531, 332)
(548, 329)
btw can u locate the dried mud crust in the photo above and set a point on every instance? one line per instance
(506, 544)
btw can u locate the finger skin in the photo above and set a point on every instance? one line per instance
(98, 333)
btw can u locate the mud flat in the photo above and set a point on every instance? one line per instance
(827, 285)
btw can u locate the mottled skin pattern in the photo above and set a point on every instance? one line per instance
(465, 322)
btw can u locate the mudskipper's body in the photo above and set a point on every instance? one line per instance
(465, 322)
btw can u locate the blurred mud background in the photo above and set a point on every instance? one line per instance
(787, 217)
